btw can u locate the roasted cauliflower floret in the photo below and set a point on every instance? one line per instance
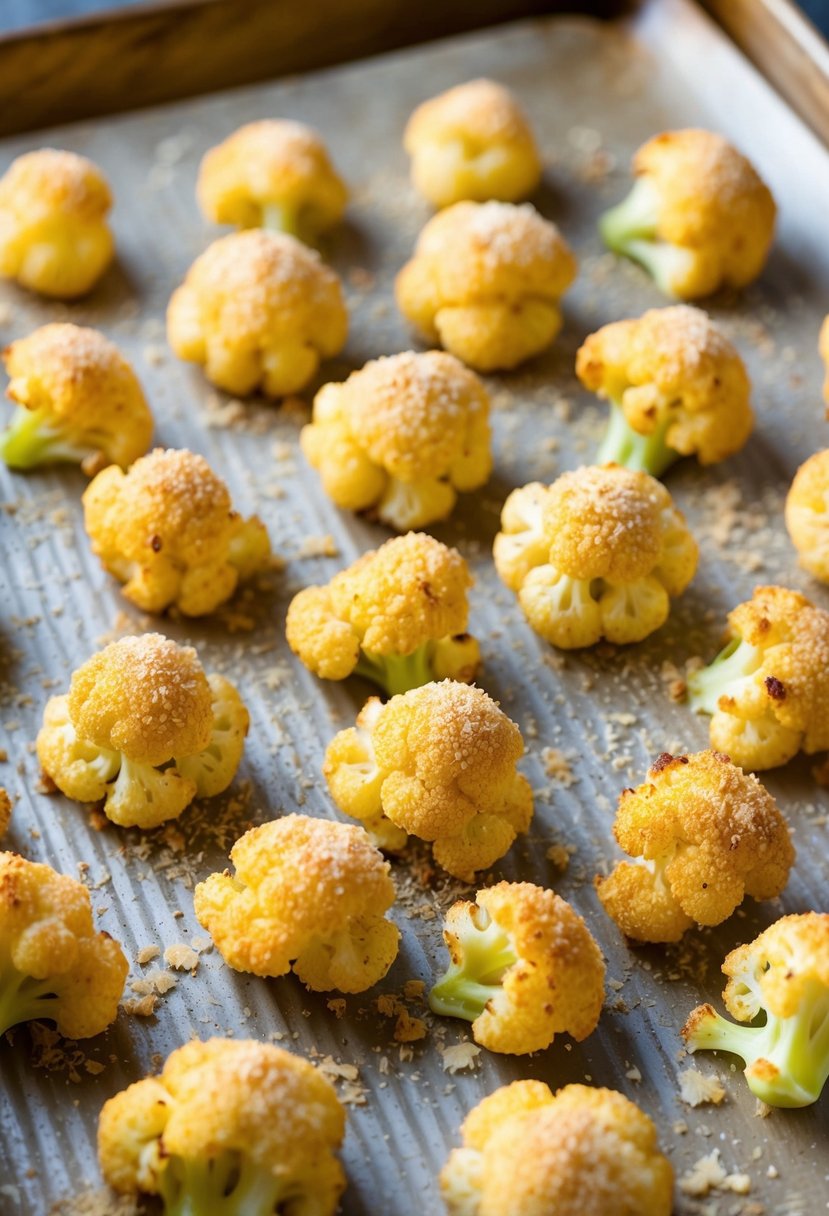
(308, 896)
(676, 387)
(437, 763)
(524, 968)
(144, 729)
(768, 691)
(227, 1129)
(53, 964)
(807, 514)
(698, 217)
(54, 237)
(782, 977)
(598, 554)
(703, 835)
(272, 174)
(397, 616)
(258, 310)
(485, 282)
(472, 142)
(579, 1152)
(167, 530)
(78, 400)
(401, 437)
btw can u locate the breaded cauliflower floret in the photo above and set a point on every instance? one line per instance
(167, 530)
(807, 514)
(308, 896)
(401, 437)
(676, 387)
(698, 217)
(397, 616)
(78, 400)
(472, 142)
(227, 1129)
(598, 554)
(485, 282)
(768, 690)
(783, 978)
(145, 729)
(53, 964)
(579, 1152)
(524, 968)
(272, 174)
(703, 834)
(258, 310)
(54, 237)
(437, 763)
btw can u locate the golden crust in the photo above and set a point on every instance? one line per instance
(807, 514)
(48, 180)
(145, 697)
(273, 161)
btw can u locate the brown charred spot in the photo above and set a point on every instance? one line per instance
(460, 637)
(663, 760)
(426, 588)
(155, 544)
(775, 688)
(721, 756)
(763, 625)
(716, 382)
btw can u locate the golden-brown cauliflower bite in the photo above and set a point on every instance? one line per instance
(524, 968)
(272, 174)
(167, 530)
(579, 1152)
(308, 896)
(703, 835)
(485, 282)
(598, 554)
(53, 964)
(807, 514)
(54, 237)
(437, 763)
(227, 1129)
(768, 690)
(397, 616)
(699, 217)
(401, 437)
(676, 387)
(145, 729)
(78, 400)
(258, 310)
(472, 142)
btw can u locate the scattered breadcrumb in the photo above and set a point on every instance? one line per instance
(97, 1203)
(181, 957)
(460, 1056)
(146, 954)
(318, 546)
(557, 765)
(695, 1088)
(708, 1174)
(143, 1008)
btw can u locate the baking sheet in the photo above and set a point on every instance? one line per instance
(593, 93)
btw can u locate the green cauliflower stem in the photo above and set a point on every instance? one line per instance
(226, 1185)
(486, 953)
(397, 673)
(24, 998)
(733, 668)
(32, 439)
(630, 229)
(640, 453)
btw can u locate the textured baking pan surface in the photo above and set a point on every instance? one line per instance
(592, 721)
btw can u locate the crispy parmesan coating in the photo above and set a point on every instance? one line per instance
(598, 554)
(308, 896)
(78, 400)
(807, 514)
(258, 310)
(227, 1129)
(676, 387)
(485, 282)
(272, 174)
(782, 977)
(472, 142)
(579, 1152)
(167, 530)
(53, 964)
(768, 691)
(524, 968)
(401, 437)
(703, 834)
(437, 763)
(698, 218)
(397, 616)
(145, 729)
(54, 237)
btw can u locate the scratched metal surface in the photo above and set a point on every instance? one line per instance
(593, 94)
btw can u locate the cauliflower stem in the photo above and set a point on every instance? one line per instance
(641, 453)
(486, 953)
(397, 673)
(630, 229)
(225, 1185)
(736, 663)
(31, 440)
(24, 998)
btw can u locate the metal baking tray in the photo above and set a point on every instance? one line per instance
(594, 91)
